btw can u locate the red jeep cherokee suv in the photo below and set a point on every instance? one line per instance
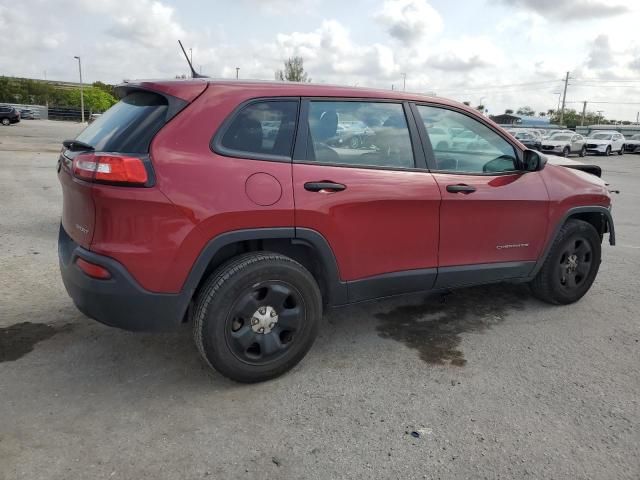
(246, 207)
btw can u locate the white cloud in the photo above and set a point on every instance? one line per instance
(465, 54)
(409, 20)
(330, 53)
(571, 10)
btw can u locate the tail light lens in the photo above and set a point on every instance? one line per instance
(110, 168)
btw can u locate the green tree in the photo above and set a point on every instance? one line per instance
(468, 104)
(293, 71)
(508, 111)
(526, 111)
(572, 118)
(105, 87)
(480, 108)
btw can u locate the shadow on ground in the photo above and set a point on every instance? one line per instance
(434, 326)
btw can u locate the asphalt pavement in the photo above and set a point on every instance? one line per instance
(482, 383)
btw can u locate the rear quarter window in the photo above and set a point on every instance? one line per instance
(128, 126)
(262, 130)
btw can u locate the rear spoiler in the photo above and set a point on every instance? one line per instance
(178, 94)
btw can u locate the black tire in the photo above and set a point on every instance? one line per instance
(607, 152)
(566, 151)
(225, 332)
(6, 122)
(583, 151)
(563, 278)
(621, 152)
(442, 146)
(355, 142)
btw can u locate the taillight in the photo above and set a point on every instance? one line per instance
(93, 270)
(110, 168)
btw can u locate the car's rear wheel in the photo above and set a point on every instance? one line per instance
(257, 316)
(583, 151)
(566, 151)
(355, 142)
(571, 265)
(621, 152)
(6, 121)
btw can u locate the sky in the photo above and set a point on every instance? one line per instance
(500, 53)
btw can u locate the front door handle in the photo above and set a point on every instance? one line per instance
(320, 186)
(461, 188)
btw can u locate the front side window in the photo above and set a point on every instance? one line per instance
(469, 146)
(263, 128)
(359, 134)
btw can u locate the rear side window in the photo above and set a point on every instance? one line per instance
(128, 126)
(359, 133)
(262, 129)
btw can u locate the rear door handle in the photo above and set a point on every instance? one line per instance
(461, 188)
(320, 186)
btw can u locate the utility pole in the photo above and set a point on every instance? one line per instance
(81, 92)
(637, 117)
(600, 112)
(404, 81)
(191, 55)
(564, 97)
(237, 72)
(584, 111)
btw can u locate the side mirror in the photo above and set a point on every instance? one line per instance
(533, 161)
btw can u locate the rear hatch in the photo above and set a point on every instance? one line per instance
(114, 150)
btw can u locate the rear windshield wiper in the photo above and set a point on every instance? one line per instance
(76, 145)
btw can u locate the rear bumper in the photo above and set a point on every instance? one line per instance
(120, 301)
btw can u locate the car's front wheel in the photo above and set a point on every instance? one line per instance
(571, 265)
(566, 151)
(607, 152)
(257, 316)
(6, 121)
(583, 151)
(621, 150)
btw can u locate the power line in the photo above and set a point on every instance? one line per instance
(492, 87)
(615, 80)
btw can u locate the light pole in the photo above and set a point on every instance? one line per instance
(81, 92)
(404, 81)
(600, 112)
(237, 72)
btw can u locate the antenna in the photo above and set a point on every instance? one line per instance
(194, 74)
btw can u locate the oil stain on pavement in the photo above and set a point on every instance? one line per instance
(434, 327)
(19, 339)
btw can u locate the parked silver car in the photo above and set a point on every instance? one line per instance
(632, 144)
(564, 144)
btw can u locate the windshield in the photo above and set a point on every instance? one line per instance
(601, 136)
(635, 137)
(560, 137)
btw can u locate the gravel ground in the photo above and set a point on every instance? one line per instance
(483, 383)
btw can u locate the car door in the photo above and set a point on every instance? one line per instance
(576, 143)
(377, 205)
(617, 142)
(493, 216)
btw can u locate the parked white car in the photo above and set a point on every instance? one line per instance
(603, 143)
(632, 144)
(565, 143)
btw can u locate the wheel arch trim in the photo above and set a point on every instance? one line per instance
(608, 222)
(337, 290)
